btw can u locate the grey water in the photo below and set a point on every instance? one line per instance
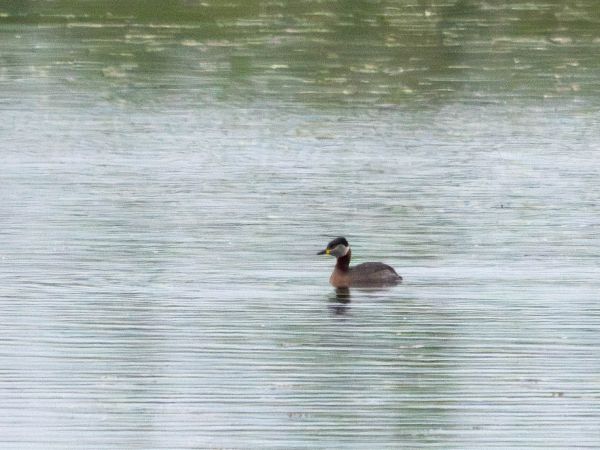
(169, 171)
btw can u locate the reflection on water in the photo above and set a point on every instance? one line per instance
(168, 171)
(342, 294)
(340, 301)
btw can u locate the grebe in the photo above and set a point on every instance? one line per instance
(370, 274)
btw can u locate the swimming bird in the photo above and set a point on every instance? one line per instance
(369, 274)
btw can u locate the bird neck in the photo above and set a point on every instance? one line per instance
(343, 262)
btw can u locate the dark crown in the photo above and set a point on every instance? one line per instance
(338, 241)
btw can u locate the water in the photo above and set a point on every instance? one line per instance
(168, 178)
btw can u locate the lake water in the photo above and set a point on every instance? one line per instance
(169, 173)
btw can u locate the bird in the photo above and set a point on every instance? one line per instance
(369, 274)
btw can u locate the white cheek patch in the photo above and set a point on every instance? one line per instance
(341, 250)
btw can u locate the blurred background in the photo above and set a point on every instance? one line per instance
(169, 170)
(309, 52)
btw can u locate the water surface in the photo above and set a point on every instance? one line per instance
(168, 178)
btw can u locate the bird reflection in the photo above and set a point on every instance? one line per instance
(339, 304)
(342, 294)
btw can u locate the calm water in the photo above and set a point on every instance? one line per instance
(168, 174)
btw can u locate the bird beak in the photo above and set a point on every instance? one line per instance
(324, 252)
